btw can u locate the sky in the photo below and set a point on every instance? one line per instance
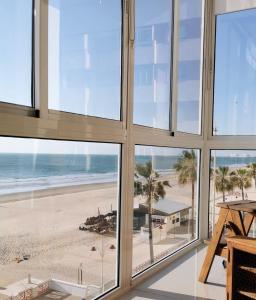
(234, 153)
(38, 146)
(235, 74)
(157, 151)
(15, 58)
(28, 145)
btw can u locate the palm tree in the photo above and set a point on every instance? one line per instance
(147, 184)
(242, 179)
(222, 181)
(186, 167)
(252, 168)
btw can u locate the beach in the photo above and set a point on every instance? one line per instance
(43, 225)
(46, 228)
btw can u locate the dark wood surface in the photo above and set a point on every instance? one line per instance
(241, 271)
(242, 205)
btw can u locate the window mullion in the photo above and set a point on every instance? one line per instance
(175, 59)
(41, 58)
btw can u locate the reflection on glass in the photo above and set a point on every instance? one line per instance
(189, 66)
(232, 178)
(235, 74)
(152, 63)
(16, 49)
(165, 202)
(58, 217)
(85, 57)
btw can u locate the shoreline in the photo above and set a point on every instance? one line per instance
(54, 191)
(69, 189)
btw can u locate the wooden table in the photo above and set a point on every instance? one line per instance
(241, 273)
(237, 218)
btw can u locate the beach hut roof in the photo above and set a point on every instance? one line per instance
(168, 207)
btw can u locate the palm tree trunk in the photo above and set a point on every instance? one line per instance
(254, 177)
(223, 195)
(242, 189)
(193, 204)
(150, 233)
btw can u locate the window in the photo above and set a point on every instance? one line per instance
(189, 86)
(16, 49)
(85, 57)
(152, 63)
(232, 177)
(67, 174)
(170, 213)
(59, 215)
(235, 74)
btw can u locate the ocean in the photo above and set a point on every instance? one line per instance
(28, 172)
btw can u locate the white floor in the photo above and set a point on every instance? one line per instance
(179, 281)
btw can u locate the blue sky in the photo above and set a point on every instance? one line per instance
(36, 146)
(15, 58)
(235, 77)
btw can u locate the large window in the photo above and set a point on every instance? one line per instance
(152, 82)
(165, 202)
(61, 169)
(232, 177)
(235, 74)
(16, 51)
(58, 216)
(189, 86)
(85, 57)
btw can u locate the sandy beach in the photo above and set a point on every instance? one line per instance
(44, 226)
(46, 229)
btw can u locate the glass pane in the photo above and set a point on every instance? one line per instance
(232, 178)
(85, 57)
(152, 63)
(190, 66)
(58, 217)
(16, 51)
(165, 202)
(235, 74)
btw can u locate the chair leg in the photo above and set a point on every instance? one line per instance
(248, 219)
(217, 233)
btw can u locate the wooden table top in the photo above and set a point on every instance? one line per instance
(242, 242)
(241, 205)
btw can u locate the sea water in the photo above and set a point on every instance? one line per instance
(31, 172)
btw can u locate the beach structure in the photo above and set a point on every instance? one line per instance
(167, 215)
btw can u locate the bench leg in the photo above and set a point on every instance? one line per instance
(237, 222)
(217, 233)
(248, 219)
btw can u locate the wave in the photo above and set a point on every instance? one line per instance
(18, 185)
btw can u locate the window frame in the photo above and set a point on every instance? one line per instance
(21, 109)
(170, 129)
(233, 7)
(175, 82)
(40, 122)
(197, 227)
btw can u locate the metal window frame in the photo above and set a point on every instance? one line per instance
(176, 72)
(23, 122)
